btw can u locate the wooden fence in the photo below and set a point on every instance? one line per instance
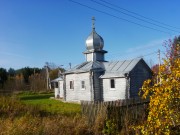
(120, 112)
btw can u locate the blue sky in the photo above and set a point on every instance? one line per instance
(33, 32)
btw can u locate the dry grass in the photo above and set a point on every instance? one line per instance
(33, 125)
(36, 114)
(18, 118)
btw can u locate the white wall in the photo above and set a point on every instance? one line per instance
(89, 57)
(56, 92)
(59, 92)
(77, 93)
(61, 89)
(114, 94)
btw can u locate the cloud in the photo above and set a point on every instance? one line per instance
(147, 51)
(9, 54)
(13, 55)
(14, 60)
(149, 45)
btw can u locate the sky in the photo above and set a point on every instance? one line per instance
(33, 32)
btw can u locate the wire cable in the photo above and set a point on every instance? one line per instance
(133, 16)
(142, 56)
(112, 55)
(139, 15)
(147, 54)
(119, 17)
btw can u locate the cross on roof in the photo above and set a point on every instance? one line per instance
(93, 22)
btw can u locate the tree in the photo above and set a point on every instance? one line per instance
(11, 72)
(164, 95)
(50, 65)
(175, 51)
(53, 74)
(155, 69)
(27, 72)
(3, 76)
(37, 81)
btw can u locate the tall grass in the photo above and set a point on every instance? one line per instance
(37, 114)
(11, 107)
(17, 117)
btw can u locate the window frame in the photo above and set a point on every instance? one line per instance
(71, 85)
(114, 84)
(83, 88)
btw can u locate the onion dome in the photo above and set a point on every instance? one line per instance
(94, 41)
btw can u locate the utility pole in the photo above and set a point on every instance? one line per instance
(47, 76)
(34, 79)
(159, 58)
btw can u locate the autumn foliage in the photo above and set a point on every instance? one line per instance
(164, 95)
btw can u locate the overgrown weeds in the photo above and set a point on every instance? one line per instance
(20, 118)
(12, 107)
(51, 125)
(32, 113)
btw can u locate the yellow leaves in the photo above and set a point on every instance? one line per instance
(164, 97)
(156, 102)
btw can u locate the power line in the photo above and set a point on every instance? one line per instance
(135, 57)
(134, 51)
(133, 16)
(139, 15)
(147, 54)
(142, 56)
(119, 17)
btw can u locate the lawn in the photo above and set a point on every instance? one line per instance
(50, 105)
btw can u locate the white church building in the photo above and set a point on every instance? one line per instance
(99, 80)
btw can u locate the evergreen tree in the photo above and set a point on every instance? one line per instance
(3, 76)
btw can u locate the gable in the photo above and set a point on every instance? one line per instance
(119, 68)
(142, 65)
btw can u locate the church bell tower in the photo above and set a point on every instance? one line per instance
(94, 46)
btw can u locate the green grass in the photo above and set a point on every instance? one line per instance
(50, 105)
(37, 114)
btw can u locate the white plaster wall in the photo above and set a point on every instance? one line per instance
(114, 94)
(61, 89)
(77, 93)
(56, 92)
(89, 57)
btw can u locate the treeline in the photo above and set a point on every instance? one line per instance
(27, 78)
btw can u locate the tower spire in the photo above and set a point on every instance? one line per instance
(94, 45)
(93, 23)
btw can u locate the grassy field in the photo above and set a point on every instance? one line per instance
(37, 114)
(50, 105)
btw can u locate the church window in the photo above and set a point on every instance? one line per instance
(112, 83)
(82, 84)
(71, 84)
